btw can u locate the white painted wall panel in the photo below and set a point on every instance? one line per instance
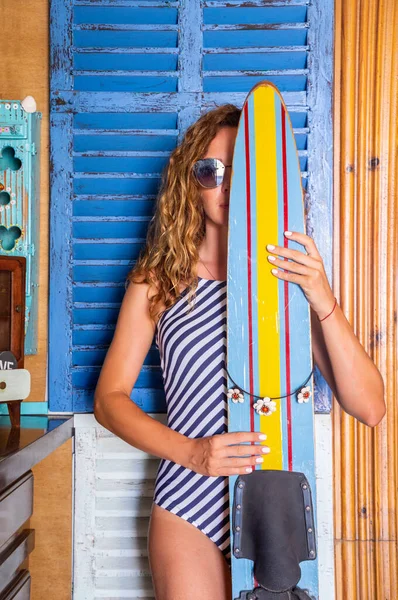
(113, 491)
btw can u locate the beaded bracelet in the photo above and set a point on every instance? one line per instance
(335, 303)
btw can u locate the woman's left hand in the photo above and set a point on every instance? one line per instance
(305, 269)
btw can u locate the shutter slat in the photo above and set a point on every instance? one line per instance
(123, 38)
(143, 52)
(252, 50)
(110, 197)
(91, 15)
(132, 3)
(244, 15)
(253, 3)
(122, 101)
(291, 73)
(94, 27)
(255, 27)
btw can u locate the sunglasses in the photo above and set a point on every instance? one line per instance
(209, 172)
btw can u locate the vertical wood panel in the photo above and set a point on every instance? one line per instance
(190, 62)
(50, 563)
(366, 460)
(318, 200)
(60, 297)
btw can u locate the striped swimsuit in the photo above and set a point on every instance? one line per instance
(192, 348)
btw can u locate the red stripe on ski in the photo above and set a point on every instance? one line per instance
(286, 290)
(249, 272)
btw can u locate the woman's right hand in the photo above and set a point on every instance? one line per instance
(226, 453)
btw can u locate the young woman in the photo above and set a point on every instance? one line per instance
(177, 291)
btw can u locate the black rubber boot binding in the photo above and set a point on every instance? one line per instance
(273, 525)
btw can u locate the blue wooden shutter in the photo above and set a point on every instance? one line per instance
(127, 78)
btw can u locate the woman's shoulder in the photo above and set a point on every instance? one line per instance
(150, 286)
(153, 288)
(139, 291)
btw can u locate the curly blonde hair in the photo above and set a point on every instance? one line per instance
(177, 228)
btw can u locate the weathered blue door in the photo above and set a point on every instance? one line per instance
(127, 78)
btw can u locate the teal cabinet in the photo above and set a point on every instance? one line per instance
(19, 199)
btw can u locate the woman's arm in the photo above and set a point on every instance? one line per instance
(120, 415)
(112, 405)
(350, 373)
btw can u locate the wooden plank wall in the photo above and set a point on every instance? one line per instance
(366, 231)
(24, 62)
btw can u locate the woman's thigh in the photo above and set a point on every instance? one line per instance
(184, 562)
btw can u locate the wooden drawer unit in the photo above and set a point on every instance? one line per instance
(16, 507)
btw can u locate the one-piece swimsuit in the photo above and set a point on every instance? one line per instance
(192, 347)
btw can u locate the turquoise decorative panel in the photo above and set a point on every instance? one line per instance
(19, 198)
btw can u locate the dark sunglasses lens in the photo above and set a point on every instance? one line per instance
(208, 173)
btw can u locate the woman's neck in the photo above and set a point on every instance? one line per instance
(213, 253)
